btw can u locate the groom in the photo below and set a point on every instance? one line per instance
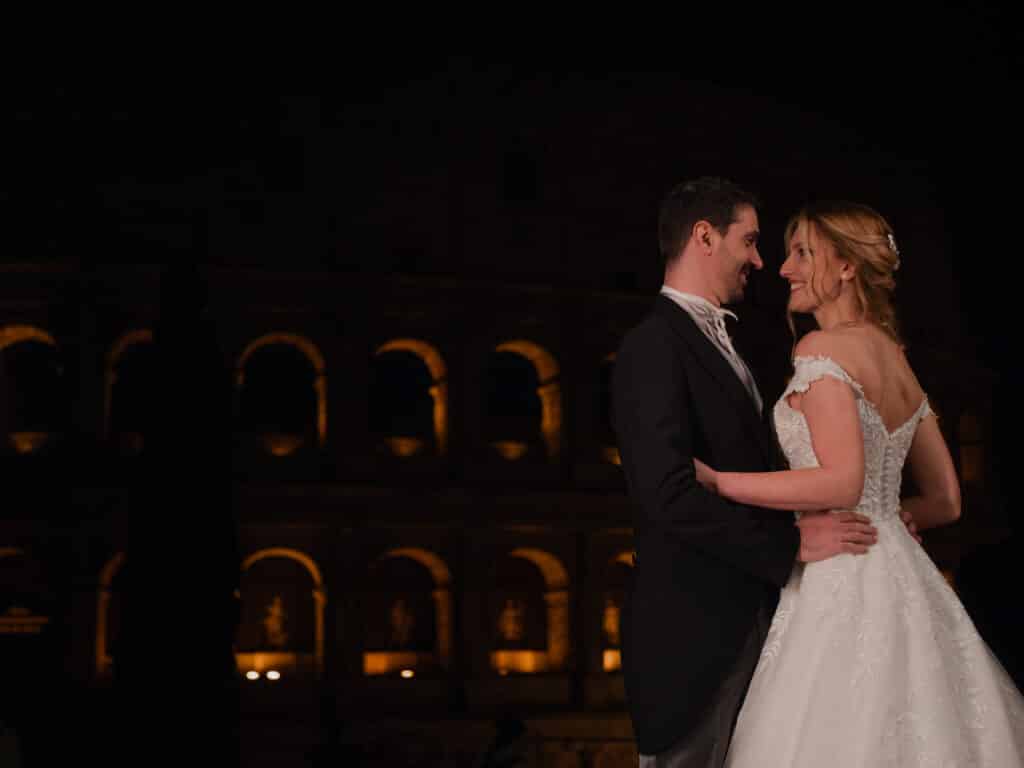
(708, 571)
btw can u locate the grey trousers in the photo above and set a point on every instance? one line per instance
(707, 745)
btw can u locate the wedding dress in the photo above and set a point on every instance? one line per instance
(871, 660)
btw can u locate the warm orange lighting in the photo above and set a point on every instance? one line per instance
(252, 674)
(438, 390)
(510, 449)
(273, 675)
(28, 442)
(14, 334)
(389, 662)
(523, 662)
(263, 661)
(611, 455)
(282, 444)
(408, 673)
(503, 672)
(313, 354)
(612, 660)
(21, 621)
(404, 446)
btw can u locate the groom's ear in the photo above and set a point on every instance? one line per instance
(702, 232)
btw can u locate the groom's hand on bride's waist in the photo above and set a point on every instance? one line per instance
(826, 535)
(908, 520)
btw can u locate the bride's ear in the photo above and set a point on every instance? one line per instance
(846, 271)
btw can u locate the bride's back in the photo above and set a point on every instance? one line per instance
(880, 366)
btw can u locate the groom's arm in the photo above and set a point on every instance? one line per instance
(653, 425)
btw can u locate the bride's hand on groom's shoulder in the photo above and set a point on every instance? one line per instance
(706, 476)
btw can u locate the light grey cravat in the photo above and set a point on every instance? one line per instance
(738, 364)
(711, 320)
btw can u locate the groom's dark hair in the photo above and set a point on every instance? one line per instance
(708, 198)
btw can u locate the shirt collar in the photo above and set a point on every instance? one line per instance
(698, 304)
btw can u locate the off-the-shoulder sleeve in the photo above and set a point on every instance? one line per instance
(809, 369)
(926, 409)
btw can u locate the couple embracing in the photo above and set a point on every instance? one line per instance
(751, 638)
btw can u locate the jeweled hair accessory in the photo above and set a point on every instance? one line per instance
(895, 250)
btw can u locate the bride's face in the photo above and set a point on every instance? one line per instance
(807, 269)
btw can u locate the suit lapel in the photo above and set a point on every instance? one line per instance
(715, 364)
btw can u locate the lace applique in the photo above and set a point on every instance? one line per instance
(811, 368)
(873, 652)
(884, 451)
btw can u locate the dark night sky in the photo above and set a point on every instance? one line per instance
(290, 171)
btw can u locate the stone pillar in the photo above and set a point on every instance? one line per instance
(443, 613)
(551, 420)
(558, 628)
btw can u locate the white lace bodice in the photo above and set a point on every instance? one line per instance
(871, 660)
(884, 451)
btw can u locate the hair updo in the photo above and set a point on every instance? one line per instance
(862, 238)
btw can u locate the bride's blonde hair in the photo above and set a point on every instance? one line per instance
(863, 239)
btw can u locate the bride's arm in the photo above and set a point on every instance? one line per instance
(830, 407)
(935, 476)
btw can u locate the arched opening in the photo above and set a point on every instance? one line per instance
(408, 620)
(523, 402)
(409, 398)
(281, 632)
(33, 406)
(616, 581)
(282, 391)
(26, 604)
(129, 387)
(529, 613)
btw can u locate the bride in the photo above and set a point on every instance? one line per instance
(871, 660)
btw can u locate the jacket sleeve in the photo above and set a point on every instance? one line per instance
(653, 424)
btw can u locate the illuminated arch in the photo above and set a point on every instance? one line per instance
(103, 594)
(26, 442)
(555, 574)
(384, 662)
(437, 567)
(319, 601)
(438, 389)
(427, 353)
(556, 598)
(307, 562)
(15, 334)
(315, 357)
(625, 557)
(549, 390)
(25, 621)
(117, 350)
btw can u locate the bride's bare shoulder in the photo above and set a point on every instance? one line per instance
(847, 350)
(836, 345)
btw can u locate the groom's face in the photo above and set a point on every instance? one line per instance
(738, 254)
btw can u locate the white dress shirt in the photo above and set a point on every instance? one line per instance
(711, 321)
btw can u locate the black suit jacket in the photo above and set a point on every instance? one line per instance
(705, 565)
